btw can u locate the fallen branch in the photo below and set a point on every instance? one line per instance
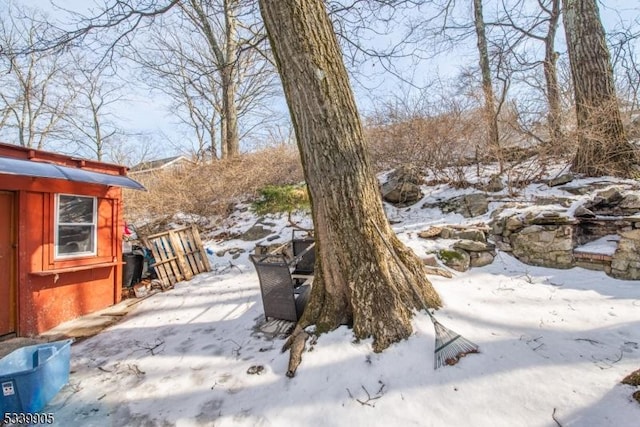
(295, 344)
(136, 371)
(226, 268)
(589, 340)
(370, 399)
(553, 415)
(297, 226)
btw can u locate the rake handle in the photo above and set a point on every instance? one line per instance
(395, 257)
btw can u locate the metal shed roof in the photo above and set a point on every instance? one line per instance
(13, 166)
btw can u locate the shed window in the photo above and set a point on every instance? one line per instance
(76, 220)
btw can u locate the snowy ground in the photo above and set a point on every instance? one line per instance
(554, 346)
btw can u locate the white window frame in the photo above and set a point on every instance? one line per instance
(57, 224)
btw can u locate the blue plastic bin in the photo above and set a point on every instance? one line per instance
(31, 376)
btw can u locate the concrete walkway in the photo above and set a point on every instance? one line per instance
(78, 329)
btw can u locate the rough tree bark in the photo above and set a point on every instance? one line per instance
(357, 281)
(554, 117)
(603, 148)
(225, 52)
(229, 103)
(487, 87)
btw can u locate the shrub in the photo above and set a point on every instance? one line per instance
(283, 198)
(208, 191)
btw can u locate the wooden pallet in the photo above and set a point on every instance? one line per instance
(179, 254)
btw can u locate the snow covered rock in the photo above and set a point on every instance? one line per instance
(560, 180)
(468, 205)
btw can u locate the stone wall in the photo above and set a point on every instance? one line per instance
(546, 239)
(547, 231)
(545, 245)
(550, 238)
(626, 259)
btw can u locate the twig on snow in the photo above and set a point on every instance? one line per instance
(236, 350)
(589, 340)
(152, 348)
(553, 415)
(370, 401)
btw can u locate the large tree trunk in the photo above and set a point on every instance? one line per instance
(554, 118)
(229, 72)
(491, 117)
(357, 280)
(229, 114)
(225, 54)
(603, 148)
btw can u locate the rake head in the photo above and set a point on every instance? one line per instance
(450, 346)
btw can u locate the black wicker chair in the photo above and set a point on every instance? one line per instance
(280, 298)
(300, 247)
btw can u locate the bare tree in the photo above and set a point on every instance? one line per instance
(91, 125)
(523, 22)
(625, 58)
(357, 280)
(491, 115)
(189, 69)
(133, 149)
(178, 65)
(223, 44)
(34, 97)
(551, 69)
(112, 29)
(603, 148)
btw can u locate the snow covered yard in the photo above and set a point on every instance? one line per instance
(554, 346)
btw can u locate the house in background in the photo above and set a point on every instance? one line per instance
(170, 163)
(61, 231)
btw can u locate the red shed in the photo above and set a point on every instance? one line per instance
(61, 231)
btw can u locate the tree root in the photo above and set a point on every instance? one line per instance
(296, 345)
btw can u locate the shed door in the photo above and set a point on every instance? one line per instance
(8, 298)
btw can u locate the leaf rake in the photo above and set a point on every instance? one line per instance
(450, 346)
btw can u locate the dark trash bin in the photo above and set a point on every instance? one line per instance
(132, 269)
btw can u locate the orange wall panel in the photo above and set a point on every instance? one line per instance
(50, 300)
(47, 298)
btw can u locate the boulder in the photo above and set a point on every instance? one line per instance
(430, 233)
(403, 186)
(514, 223)
(560, 180)
(401, 193)
(256, 232)
(551, 218)
(475, 235)
(552, 200)
(480, 259)
(606, 202)
(473, 246)
(407, 173)
(582, 212)
(470, 234)
(430, 261)
(469, 205)
(495, 184)
(630, 204)
(456, 259)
